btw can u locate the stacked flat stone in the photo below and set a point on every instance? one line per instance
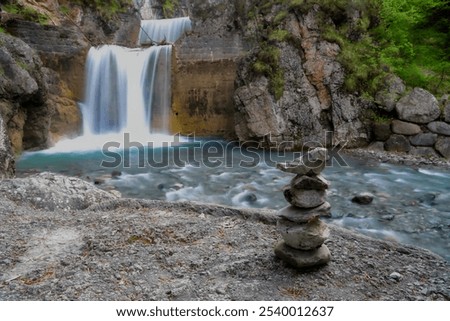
(302, 230)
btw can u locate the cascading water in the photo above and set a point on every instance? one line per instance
(128, 90)
(164, 30)
(125, 88)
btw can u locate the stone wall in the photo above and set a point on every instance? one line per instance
(203, 77)
(420, 125)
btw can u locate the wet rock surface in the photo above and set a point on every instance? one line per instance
(123, 249)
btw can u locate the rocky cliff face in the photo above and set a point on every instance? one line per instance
(217, 92)
(311, 101)
(23, 95)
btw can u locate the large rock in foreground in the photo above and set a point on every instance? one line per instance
(53, 192)
(120, 249)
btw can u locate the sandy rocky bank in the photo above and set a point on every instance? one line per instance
(64, 239)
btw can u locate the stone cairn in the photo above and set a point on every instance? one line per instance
(299, 224)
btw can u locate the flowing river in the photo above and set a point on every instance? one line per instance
(411, 205)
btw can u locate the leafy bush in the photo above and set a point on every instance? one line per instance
(415, 40)
(267, 64)
(407, 37)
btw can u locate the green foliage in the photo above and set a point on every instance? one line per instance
(64, 10)
(267, 64)
(2, 30)
(107, 9)
(415, 40)
(407, 37)
(280, 17)
(22, 65)
(169, 7)
(28, 13)
(279, 35)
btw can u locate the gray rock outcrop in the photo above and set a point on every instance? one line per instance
(391, 93)
(41, 192)
(312, 101)
(23, 95)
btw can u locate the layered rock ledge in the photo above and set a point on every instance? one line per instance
(93, 246)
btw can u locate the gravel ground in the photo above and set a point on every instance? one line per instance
(122, 249)
(397, 158)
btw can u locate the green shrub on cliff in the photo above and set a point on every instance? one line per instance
(27, 13)
(407, 37)
(169, 7)
(106, 8)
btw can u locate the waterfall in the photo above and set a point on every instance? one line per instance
(168, 30)
(127, 90)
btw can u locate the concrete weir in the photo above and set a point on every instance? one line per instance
(203, 75)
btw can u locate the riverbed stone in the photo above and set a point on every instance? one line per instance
(397, 143)
(300, 215)
(424, 139)
(310, 182)
(311, 163)
(363, 198)
(303, 259)
(381, 131)
(439, 127)
(304, 237)
(420, 107)
(304, 198)
(423, 152)
(405, 128)
(443, 146)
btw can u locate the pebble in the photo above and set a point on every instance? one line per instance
(396, 276)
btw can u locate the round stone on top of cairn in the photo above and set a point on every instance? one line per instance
(299, 224)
